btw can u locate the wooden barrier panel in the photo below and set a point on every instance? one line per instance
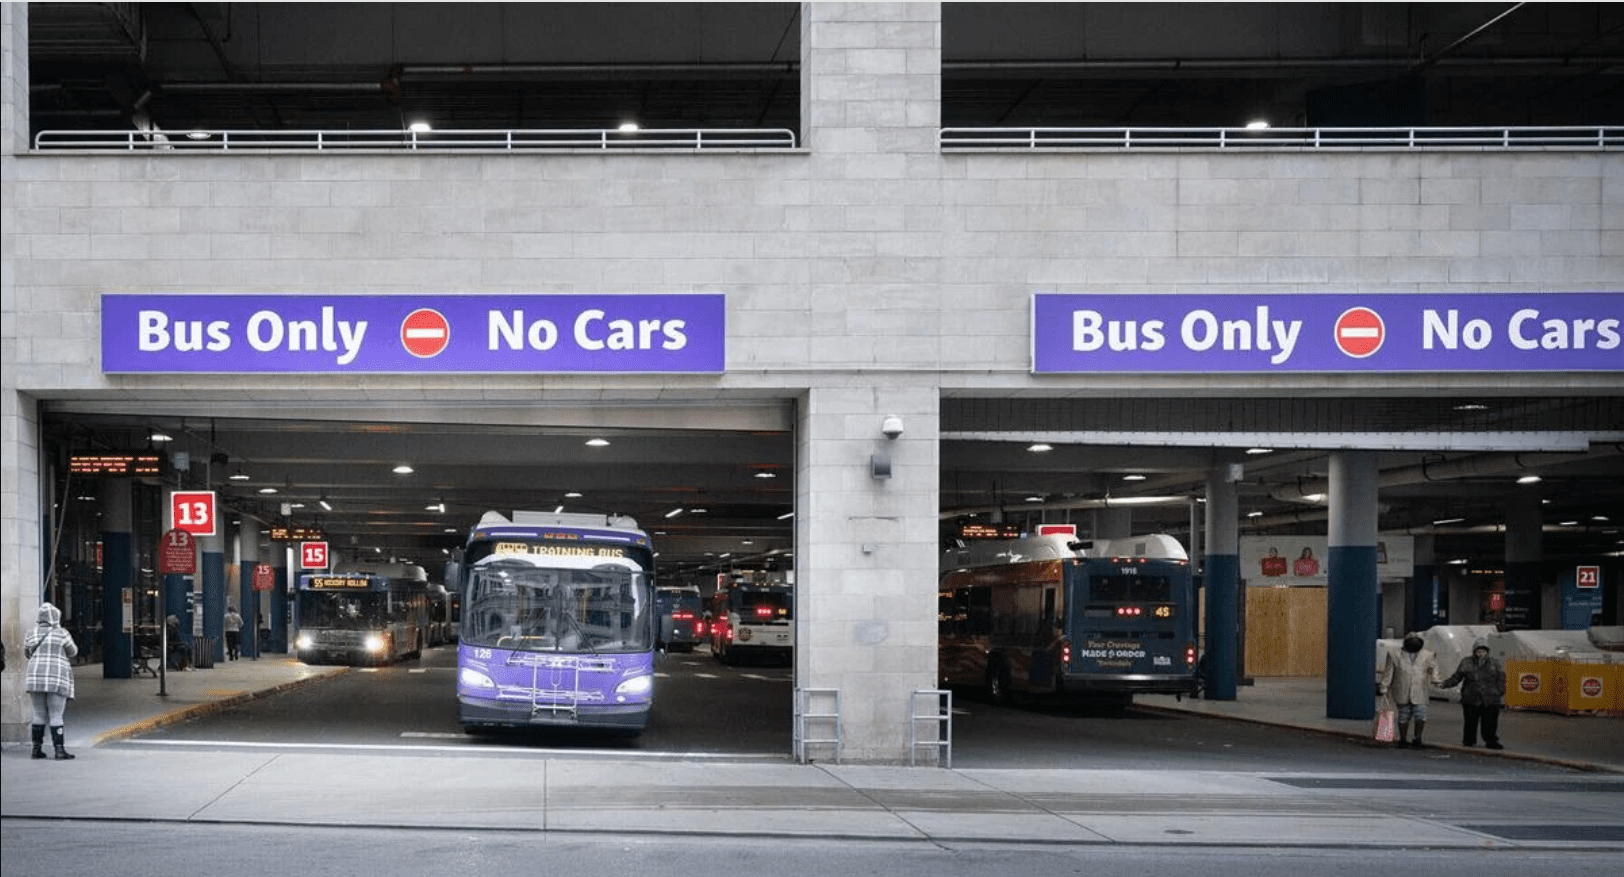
(1285, 632)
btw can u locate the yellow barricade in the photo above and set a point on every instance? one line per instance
(1531, 684)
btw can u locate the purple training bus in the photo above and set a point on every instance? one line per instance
(557, 623)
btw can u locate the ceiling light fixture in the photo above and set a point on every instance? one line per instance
(404, 469)
(673, 513)
(766, 475)
(240, 475)
(160, 436)
(267, 490)
(1529, 479)
(1258, 125)
(1039, 447)
(1133, 477)
(326, 506)
(574, 494)
(597, 443)
(1255, 451)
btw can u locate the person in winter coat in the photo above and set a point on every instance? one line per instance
(1406, 676)
(233, 629)
(1482, 682)
(49, 679)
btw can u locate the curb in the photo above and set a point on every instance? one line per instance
(202, 709)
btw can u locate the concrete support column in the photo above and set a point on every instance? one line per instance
(1352, 589)
(1525, 555)
(211, 568)
(1423, 589)
(247, 597)
(277, 557)
(1223, 577)
(118, 574)
(1113, 523)
(866, 560)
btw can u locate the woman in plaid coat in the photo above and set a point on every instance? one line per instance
(50, 677)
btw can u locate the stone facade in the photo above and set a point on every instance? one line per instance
(866, 273)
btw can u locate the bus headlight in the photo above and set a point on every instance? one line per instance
(374, 643)
(473, 679)
(303, 642)
(637, 686)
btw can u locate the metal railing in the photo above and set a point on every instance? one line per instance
(1117, 139)
(533, 140)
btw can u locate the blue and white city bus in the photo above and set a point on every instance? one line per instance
(362, 613)
(558, 617)
(1049, 614)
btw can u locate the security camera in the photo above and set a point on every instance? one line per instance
(892, 427)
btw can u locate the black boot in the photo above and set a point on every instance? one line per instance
(39, 741)
(62, 754)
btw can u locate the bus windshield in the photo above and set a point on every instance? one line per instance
(513, 605)
(363, 611)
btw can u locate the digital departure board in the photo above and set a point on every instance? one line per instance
(116, 464)
(297, 534)
(989, 531)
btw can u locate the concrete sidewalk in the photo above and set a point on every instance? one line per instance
(600, 793)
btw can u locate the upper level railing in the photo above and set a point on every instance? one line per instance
(1117, 139)
(538, 140)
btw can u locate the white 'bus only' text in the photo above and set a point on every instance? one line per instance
(1200, 330)
(1525, 330)
(266, 331)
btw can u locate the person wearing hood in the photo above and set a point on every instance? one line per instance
(49, 679)
(1482, 682)
(1406, 676)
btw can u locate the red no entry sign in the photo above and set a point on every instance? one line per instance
(425, 332)
(1360, 332)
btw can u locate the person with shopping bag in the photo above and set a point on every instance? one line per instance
(1406, 676)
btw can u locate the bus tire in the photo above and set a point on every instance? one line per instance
(998, 687)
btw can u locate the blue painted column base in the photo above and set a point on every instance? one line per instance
(1350, 641)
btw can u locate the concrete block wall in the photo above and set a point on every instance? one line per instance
(866, 275)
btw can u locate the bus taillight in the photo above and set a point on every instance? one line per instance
(1189, 655)
(764, 611)
(1065, 654)
(1129, 611)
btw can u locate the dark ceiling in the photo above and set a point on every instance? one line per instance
(381, 66)
(735, 482)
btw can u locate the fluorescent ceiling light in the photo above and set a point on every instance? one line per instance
(404, 469)
(597, 443)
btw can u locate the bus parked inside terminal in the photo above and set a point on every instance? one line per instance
(557, 623)
(1052, 615)
(753, 622)
(682, 621)
(362, 613)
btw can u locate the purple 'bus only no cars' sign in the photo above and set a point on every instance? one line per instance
(336, 334)
(1343, 332)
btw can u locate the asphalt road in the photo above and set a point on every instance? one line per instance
(55, 847)
(704, 707)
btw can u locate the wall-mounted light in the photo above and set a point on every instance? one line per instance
(891, 427)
